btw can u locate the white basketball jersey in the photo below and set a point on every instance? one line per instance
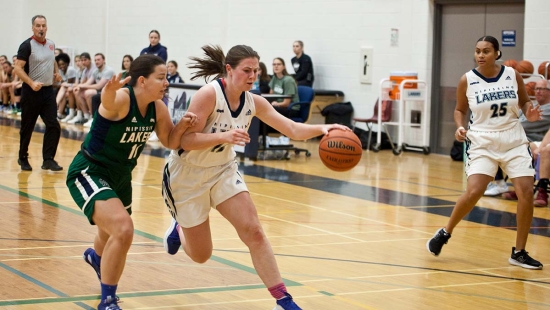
(493, 101)
(222, 119)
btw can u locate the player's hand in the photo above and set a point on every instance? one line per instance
(237, 136)
(534, 114)
(460, 134)
(190, 119)
(327, 128)
(57, 77)
(115, 83)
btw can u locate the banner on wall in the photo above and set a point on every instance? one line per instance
(508, 38)
(178, 101)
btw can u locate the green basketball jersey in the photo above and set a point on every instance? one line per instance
(118, 144)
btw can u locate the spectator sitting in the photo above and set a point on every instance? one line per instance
(535, 131)
(126, 62)
(69, 94)
(68, 75)
(173, 74)
(155, 47)
(303, 67)
(57, 52)
(264, 79)
(4, 93)
(93, 86)
(8, 84)
(83, 113)
(283, 84)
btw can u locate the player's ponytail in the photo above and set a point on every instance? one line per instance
(213, 64)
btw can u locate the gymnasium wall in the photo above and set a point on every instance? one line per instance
(332, 31)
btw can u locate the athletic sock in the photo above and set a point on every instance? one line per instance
(108, 291)
(278, 291)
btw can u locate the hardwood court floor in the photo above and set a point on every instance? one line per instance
(348, 240)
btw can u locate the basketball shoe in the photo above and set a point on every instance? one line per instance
(89, 257)
(523, 259)
(437, 242)
(286, 303)
(172, 242)
(109, 304)
(496, 188)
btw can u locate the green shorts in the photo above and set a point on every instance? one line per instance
(88, 182)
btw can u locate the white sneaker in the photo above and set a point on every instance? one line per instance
(67, 118)
(153, 137)
(496, 188)
(88, 123)
(76, 119)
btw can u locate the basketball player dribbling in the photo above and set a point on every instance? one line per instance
(224, 109)
(495, 137)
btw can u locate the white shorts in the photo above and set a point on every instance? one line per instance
(190, 191)
(509, 149)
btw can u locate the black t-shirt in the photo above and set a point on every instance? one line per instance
(304, 70)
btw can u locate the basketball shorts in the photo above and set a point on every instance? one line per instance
(509, 149)
(88, 183)
(190, 191)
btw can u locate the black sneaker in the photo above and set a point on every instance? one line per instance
(50, 164)
(523, 259)
(24, 163)
(435, 244)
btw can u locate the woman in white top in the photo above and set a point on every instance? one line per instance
(495, 137)
(203, 174)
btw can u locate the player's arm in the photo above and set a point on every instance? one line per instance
(289, 128)
(532, 113)
(168, 134)
(461, 108)
(115, 102)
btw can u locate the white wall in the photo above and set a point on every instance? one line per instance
(332, 31)
(537, 30)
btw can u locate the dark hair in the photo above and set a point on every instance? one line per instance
(129, 57)
(215, 61)
(99, 54)
(283, 61)
(144, 65)
(174, 63)
(85, 55)
(5, 57)
(494, 42)
(37, 16)
(66, 59)
(7, 62)
(264, 76)
(155, 31)
(300, 42)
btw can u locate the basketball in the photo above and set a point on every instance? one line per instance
(541, 69)
(525, 66)
(340, 150)
(510, 63)
(530, 87)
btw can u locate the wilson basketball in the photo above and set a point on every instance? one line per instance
(340, 150)
(542, 68)
(525, 66)
(530, 87)
(510, 63)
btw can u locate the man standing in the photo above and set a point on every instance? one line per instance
(37, 69)
(303, 67)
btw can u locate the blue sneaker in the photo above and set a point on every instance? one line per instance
(109, 304)
(88, 258)
(286, 303)
(172, 242)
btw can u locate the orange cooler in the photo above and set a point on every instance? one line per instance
(397, 77)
